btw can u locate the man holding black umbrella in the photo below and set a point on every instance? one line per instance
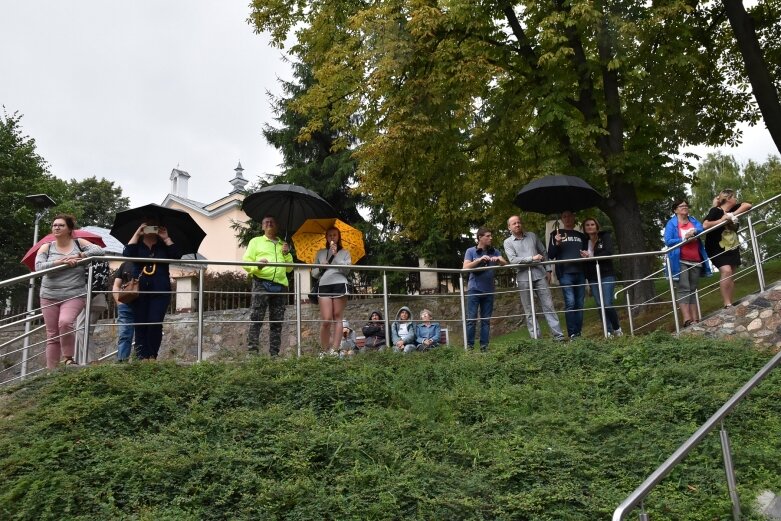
(567, 243)
(269, 285)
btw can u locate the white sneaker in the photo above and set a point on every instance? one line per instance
(618, 332)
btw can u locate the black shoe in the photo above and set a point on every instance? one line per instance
(252, 350)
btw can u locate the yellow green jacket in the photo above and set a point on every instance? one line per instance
(264, 248)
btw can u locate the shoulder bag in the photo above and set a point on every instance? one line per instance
(128, 291)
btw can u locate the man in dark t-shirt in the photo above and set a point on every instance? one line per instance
(567, 243)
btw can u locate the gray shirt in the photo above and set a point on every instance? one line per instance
(332, 275)
(66, 283)
(520, 250)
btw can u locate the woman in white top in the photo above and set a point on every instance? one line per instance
(332, 291)
(64, 292)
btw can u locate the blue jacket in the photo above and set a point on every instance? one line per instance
(424, 332)
(672, 237)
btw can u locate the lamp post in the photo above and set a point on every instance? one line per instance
(41, 202)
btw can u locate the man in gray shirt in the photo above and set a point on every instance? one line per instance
(525, 248)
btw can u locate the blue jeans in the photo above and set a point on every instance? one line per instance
(574, 290)
(124, 331)
(484, 302)
(608, 285)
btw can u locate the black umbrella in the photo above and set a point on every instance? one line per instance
(182, 228)
(290, 205)
(556, 193)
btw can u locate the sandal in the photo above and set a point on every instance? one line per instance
(688, 323)
(69, 361)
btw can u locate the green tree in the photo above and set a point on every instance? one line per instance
(22, 172)
(96, 201)
(315, 162)
(455, 106)
(716, 172)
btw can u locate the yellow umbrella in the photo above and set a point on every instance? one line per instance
(310, 238)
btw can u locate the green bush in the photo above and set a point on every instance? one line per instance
(532, 430)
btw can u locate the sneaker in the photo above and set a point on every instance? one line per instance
(558, 338)
(574, 336)
(618, 332)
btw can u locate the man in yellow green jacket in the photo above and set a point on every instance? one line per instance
(269, 285)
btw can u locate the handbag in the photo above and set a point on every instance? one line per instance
(128, 292)
(313, 296)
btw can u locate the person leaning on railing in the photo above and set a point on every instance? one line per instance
(688, 262)
(63, 293)
(600, 244)
(269, 285)
(723, 246)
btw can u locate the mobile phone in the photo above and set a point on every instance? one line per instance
(150, 229)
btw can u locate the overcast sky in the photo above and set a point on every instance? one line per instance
(130, 90)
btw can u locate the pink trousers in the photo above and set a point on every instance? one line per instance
(59, 316)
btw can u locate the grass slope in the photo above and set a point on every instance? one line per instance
(530, 431)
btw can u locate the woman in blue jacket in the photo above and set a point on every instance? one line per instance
(426, 332)
(686, 263)
(151, 241)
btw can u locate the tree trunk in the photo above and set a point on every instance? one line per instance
(624, 210)
(764, 90)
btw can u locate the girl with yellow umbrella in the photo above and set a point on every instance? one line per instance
(332, 291)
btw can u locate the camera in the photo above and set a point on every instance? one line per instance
(150, 229)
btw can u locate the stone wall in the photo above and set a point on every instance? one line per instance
(756, 317)
(225, 332)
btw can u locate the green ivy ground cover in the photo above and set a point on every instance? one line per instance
(530, 431)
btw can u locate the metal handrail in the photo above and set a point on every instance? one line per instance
(634, 499)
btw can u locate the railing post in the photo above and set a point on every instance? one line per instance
(199, 348)
(463, 309)
(297, 282)
(673, 297)
(387, 310)
(30, 295)
(601, 300)
(697, 299)
(757, 254)
(729, 469)
(629, 314)
(82, 357)
(531, 300)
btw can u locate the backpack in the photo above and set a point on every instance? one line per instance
(101, 273)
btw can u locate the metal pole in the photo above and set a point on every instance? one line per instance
(83, 358)
(672, 295)
(757, 254)
(297, 282)
(463, 310)
(729, 469)
(385, 305)
(199, 347)
(30, 296)
(531, 300)
(601, 301)
(629, 314)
